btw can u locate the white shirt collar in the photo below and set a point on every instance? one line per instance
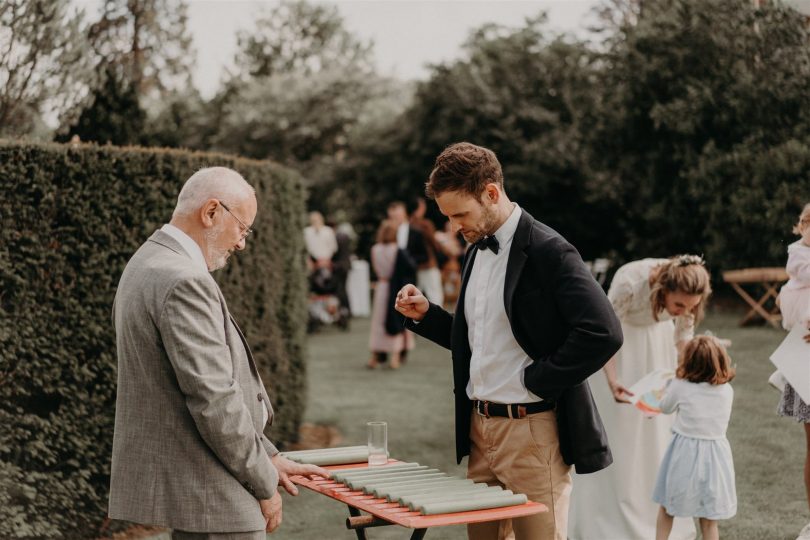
(402, 234)
(188, 244)
(506, 231)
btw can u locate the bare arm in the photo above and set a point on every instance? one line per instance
(619, 392)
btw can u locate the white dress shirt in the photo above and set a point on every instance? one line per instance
(497, 363)
(321, 242)
(188, 244)
(403, 231)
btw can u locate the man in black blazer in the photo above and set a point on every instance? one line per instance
(409, 237)
(530, 326)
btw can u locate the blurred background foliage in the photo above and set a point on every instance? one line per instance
(678, 125)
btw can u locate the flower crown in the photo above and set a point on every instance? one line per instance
(687, 260)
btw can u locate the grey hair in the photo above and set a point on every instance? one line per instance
(211, 183)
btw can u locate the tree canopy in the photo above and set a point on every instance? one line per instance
(44, 64)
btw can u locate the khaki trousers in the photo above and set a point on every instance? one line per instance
(522, 455)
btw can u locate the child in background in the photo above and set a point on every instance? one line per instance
(794, 298)
(795, 305)
(696, 476)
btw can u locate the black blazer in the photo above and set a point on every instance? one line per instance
(562, 319)
(417, 246)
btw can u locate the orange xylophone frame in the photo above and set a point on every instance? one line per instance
(384, 513)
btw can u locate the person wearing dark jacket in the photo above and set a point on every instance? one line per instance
(409, 238)
(341, 265)
(393, 268)
(530, 326)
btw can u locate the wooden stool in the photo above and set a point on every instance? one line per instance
(769, 279)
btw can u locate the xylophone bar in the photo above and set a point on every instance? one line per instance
(330, 456)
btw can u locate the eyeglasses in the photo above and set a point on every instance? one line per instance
(246, 231)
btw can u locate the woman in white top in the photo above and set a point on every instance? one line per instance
(794, 301)
(696, 477)
(658, 302)
(794, 298)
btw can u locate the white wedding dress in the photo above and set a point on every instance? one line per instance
(616, 503)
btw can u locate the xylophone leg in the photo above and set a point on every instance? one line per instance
(418, 534)
(354, 512)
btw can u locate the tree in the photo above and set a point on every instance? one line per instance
(299, 37)
(294, 117)
(181, 119)
(695, 92)
(147, 42)
(44, 65)
(521, 92)
(304, 84)
(114, 116)
(143, 52)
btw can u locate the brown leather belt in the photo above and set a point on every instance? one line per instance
(511, 410)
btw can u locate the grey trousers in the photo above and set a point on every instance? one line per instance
(252, 535)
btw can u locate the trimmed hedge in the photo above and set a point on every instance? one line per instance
(71, 217)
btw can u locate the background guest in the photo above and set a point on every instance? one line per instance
(384, 255)
(428, 275)
(320, 241)
(795, 305)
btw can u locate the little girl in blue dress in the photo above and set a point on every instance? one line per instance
(696, 476)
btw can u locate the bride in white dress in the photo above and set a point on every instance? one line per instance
(658, 302)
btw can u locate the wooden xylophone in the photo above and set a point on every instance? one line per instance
(408, 494)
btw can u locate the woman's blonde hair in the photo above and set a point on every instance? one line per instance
(804, 217)
(387, 233)
(705, 360)
(686, 274)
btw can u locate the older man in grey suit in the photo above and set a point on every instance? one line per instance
(189, 449)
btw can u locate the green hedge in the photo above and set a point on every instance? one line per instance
(71, 217)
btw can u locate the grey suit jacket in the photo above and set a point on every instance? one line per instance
(189, 450)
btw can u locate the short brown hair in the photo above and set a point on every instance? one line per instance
(464, 167)
(387, 232)
(683, 273)
(398, 204)
(705, 359)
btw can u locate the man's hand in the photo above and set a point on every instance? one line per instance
(412, 303)
(271, 510)
(287, 468)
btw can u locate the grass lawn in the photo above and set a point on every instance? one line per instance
(416, 401)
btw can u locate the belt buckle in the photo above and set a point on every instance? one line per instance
(486, 408)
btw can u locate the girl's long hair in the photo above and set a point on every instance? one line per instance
(705, 360)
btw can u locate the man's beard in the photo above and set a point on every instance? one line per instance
(217, 258)
(486, 226)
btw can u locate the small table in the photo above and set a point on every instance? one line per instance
(385, 513)
(768, 279)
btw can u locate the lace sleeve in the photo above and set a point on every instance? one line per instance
(620, 295)
(684, 328)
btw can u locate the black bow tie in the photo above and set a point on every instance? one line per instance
(489, 242)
